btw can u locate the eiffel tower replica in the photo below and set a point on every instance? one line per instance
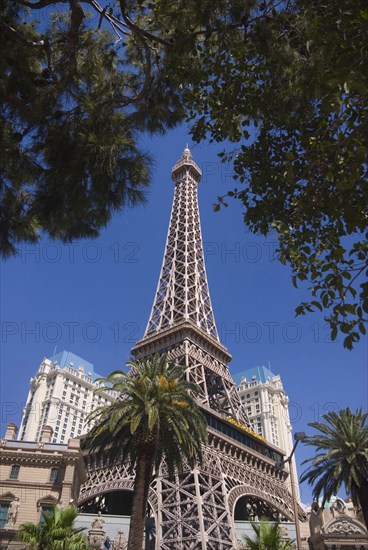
(196, 510)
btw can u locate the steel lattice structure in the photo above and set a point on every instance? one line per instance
(182, 291)
(196, 511)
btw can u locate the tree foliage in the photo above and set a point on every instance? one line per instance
(284, 83)
(288, 87)
(267, 536)
(55, 532)
(342, 457)
(72, 108)
(155, 422)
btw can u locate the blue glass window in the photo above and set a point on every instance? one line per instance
(54, 475)
(4, 514)
(45, 509)
(14, 472)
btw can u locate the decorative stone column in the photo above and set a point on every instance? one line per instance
(96, 535)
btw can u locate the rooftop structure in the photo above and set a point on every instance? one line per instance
(61, 396)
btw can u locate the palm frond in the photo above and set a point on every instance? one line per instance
(342, 455)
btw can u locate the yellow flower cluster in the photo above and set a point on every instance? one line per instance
(244, 428)
(167, 384)
(163, 382)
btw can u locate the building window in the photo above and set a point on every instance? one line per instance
(4, 514)
(14, 472)
(45, 509)
(54, 475)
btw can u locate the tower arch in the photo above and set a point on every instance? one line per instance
(260, 504)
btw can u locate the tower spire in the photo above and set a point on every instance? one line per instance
(182, 291)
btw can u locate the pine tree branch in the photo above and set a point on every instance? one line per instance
(138, 31)
(20, 35)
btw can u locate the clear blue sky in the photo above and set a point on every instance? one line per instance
(94, 298)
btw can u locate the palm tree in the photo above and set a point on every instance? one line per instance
(268, 536)
(342, 457)
(156, 418)
(54, 532)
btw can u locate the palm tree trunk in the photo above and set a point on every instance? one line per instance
(143, 477)
(363, 500)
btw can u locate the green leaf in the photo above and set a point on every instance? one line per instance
(350, 308)
(152, 418)
(134, 423)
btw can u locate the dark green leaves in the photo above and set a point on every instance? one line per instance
(71, 111)
(342, 457)
(284, 91)
(267, 536)
(56, 532)
(156, 411)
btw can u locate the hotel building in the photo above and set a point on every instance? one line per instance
(61, 396)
